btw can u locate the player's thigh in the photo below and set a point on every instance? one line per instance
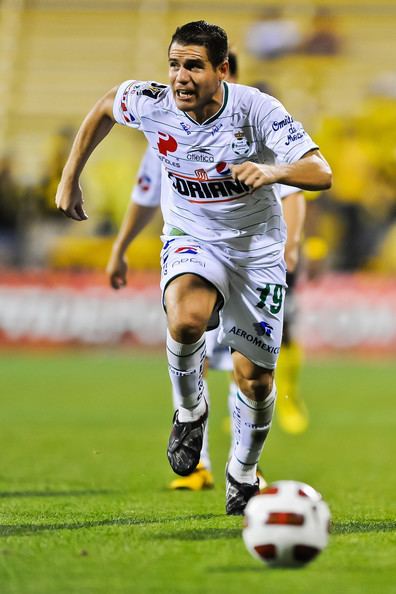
(252, 319)
(189, 295)
(193, 280)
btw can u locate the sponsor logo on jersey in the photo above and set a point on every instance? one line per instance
(144, 182)
(254, 340)
(222, 190)
(200, 153)
(294, 135)
(189, 259)
(223, 168)
(262, 328)
(202, 174)
(216, 128)
(278, 125)
(152, 90)
(186, 128)
(128, 118)
(240, 145)
(188, 249)
(166, 143)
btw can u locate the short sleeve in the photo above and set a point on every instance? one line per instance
(125, 108)
(147, 191)
(285, 191)
(284, 135)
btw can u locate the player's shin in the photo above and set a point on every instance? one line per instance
(252, 422)
(186, 364)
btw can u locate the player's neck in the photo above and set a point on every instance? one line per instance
(210, 109)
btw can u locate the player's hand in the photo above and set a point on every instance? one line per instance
(69, 200)
(254, 175)
(117, 270)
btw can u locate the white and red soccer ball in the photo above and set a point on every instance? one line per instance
(287, 524)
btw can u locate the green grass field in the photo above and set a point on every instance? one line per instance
(83, 475)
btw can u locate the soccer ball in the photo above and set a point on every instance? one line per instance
(287, 524)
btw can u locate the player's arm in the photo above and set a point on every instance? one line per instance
(294, 213)
(135, 220)
(95, 127)
(311, 172)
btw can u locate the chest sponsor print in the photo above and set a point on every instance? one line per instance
(207, 191)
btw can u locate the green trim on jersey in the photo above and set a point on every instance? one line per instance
(176, 232)
(217, 114)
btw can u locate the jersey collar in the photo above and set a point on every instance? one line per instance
(218, 113)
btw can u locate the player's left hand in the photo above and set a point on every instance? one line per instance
(254, 175)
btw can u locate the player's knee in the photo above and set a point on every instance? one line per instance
(256, 386)
(187, 328)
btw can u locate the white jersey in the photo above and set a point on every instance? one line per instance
(199, 197)
(147, 191)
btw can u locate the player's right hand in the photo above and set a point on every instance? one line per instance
(69, 200)
(117, 269)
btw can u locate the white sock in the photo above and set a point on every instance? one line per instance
(232, 394)
(205, 458)
(252, 423)
(186, 363)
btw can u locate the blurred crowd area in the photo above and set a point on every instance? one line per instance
(331, 64)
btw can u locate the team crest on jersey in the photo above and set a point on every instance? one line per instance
(240, 145)
(166, 143)
(151, 90)
(188, 249)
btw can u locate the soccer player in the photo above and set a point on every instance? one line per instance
(223, 146)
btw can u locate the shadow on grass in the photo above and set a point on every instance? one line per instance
(30, 529)
(207, 534)
(238, 569)
(353, 526)
(69, 493)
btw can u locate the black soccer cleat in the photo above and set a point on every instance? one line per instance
(185, 444)
(238, 494)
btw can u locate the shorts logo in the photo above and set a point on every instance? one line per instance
(166, 143)
(254, 340)
(263, 329)
(189, 249)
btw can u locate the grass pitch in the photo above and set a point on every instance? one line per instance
(83, 476)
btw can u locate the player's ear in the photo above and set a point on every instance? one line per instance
(224, 69)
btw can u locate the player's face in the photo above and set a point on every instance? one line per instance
(195, 82)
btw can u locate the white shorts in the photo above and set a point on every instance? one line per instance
(250, 311)
(219, 355)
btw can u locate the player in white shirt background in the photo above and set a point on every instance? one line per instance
(224, 147)
(145, 201)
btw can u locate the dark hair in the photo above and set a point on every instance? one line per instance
(212, 37)
(233, 63)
